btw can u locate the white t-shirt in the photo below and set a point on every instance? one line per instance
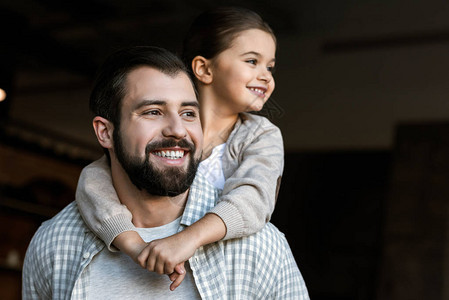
(212, 167)
(114, 275)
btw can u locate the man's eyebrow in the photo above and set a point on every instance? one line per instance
(191, 103)
(149, 102)
(164, 103)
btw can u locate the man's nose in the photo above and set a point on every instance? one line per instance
(174, 128)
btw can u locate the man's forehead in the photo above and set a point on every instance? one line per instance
(153, 73)
(147, 83)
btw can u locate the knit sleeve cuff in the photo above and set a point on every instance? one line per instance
(231, 217)
(112, 227)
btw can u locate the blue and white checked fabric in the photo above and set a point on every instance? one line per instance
(260, 266)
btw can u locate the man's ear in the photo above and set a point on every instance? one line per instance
(201, 69)
(103, 130)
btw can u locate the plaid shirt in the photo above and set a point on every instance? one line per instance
(260, 266)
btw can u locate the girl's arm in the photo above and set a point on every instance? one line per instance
(102, 211)
(253, 168)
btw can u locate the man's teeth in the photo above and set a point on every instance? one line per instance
(170, 154)
(257, 90)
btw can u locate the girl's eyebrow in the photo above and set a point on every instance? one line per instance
(256, 54)
(251, 53)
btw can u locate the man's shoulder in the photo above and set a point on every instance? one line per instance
(269, 245)
(64, 226)
(271, 237)
(68, 218)
(53, 258)
(57, 237)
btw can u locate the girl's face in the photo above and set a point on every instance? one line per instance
(242, 74)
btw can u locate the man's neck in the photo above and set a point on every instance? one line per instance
(147, 210)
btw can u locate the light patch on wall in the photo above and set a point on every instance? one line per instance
(2, 95)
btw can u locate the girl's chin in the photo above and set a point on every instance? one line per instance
(256, 106)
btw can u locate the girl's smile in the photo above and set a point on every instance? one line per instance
(242, 74)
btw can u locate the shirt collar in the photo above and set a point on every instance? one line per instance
(202, 198)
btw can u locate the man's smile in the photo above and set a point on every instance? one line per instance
(170, 154)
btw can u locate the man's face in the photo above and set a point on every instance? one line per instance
(159, 141)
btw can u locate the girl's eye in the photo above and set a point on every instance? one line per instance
(271, 69)
(252, 61)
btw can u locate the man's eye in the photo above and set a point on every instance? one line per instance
(189, 114)
(153, 112)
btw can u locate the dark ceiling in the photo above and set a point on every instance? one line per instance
(77, 35)
(328, 52)
(51, 48)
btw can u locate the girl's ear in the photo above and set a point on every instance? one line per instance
(201, 69)
(103, 130)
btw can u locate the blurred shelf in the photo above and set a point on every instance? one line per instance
(34, 209)
(6, 268)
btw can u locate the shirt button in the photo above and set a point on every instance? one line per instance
(86, 255)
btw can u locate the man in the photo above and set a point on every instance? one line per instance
(155, 110)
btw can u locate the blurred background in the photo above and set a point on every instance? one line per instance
(361, 98)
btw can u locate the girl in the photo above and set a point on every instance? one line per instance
(231, 52)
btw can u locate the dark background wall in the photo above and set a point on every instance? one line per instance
(361, 99)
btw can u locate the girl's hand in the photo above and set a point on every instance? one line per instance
(177, 276)
(163, 255)
(167, 256)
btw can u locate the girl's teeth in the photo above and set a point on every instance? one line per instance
(257, 90)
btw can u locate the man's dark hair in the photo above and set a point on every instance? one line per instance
(110, 85)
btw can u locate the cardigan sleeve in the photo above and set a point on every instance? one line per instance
(99, 205)
(253, 167)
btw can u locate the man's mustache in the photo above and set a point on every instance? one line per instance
(169, 143)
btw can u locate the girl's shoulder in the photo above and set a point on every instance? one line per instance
(255, 125)
(250, 118)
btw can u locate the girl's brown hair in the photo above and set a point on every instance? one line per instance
(213, 31)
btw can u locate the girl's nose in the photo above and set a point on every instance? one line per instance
(265, 75)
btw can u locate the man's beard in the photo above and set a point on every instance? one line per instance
(171, 181)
